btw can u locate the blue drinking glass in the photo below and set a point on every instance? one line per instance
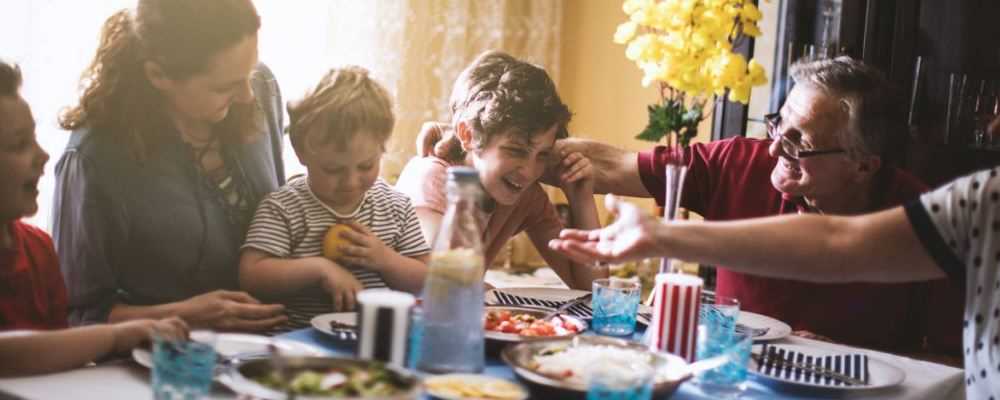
(183, 369)
(730, 379)
(415, 337)
(719, 315)
(615, 303)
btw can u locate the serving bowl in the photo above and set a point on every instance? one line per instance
(669, 370)
(240, 377)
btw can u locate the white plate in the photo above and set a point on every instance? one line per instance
(555, 294)
(880, 373)
(472, 380)
(322, 322)
(232, 344)
(775, 329)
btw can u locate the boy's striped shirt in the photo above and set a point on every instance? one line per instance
(292, 223)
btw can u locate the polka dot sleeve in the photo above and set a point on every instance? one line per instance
(957, 224)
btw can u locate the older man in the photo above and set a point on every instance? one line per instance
(951, 231)
(828, 154)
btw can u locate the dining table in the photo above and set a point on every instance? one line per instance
(126, 379)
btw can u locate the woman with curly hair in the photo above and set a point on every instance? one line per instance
(175, 139)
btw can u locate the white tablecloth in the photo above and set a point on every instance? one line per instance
(924, 380)
(127, 380)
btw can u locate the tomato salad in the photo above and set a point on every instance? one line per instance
(525, 324)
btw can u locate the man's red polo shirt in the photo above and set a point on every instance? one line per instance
(32, 292)
(730, 179)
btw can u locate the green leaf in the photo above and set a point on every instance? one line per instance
(672, 117)
(656, 127)
(651, 135)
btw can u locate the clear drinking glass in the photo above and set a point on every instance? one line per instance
(719, 315)
(183, 369)
(615, 303)
(729, 380)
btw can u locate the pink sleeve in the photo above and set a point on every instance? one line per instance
(423, 180)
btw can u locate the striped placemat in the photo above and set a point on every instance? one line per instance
(794, 366)
(581, 310)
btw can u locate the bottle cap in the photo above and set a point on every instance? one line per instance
(463, 175)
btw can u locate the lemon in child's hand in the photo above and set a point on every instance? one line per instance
(333, 243)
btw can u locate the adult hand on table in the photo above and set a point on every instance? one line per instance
(226, 310)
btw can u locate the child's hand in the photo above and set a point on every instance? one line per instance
(342, 286)
(576, 174)
(430, 133)
(133, 333)
(367, 249)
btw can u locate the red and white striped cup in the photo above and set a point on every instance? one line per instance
(675, 314)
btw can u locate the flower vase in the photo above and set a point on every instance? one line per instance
(674, 172)
(676, 297)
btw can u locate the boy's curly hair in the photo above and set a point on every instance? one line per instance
(498, 94)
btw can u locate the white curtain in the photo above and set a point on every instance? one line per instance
(415, 47)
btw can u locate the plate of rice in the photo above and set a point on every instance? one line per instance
(561, 363)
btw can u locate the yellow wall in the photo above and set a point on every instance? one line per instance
(598, 83)
(601, 86)
(596, 80)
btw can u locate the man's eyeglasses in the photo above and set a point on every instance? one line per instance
(790, 148)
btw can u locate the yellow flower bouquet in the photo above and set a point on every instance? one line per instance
(686, 46)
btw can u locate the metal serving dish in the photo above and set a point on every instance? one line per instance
(671, 370)
(240, 376)
(496, 341)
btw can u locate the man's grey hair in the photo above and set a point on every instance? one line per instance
(876, 124)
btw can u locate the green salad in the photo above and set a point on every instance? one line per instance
(348, 381)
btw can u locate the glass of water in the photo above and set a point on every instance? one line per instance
(729, 380)
(183, 369)
(615, 303)
(719, 315)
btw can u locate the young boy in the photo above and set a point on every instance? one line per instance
(32, 292)
(338, 130)
(506, 117)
